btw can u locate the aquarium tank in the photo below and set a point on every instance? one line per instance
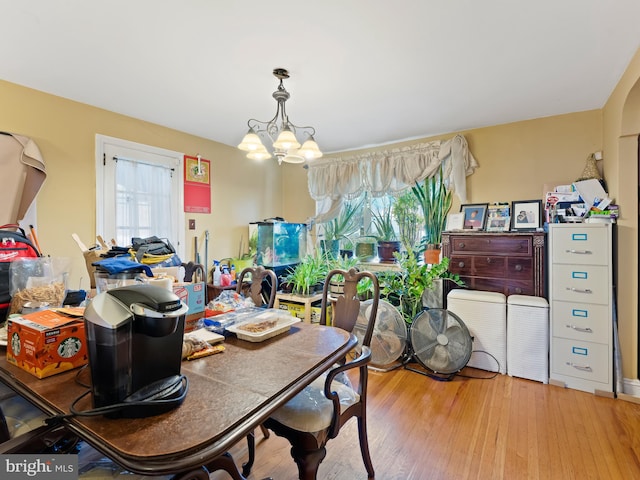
(281, 243)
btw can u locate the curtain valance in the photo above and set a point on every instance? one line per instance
(391, 171)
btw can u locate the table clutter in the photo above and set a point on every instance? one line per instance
(582, 201)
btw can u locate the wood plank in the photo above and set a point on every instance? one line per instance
(468, 428)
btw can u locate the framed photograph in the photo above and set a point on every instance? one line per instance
(474, 215)
(455, 221)
(526, 215)
(498, 224)
(498, 218)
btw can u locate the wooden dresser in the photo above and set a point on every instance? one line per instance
(509, 262)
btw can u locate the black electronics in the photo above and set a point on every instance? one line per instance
(134, 340)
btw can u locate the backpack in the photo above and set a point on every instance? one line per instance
(13, 244)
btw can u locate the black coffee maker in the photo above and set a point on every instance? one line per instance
(134, 339)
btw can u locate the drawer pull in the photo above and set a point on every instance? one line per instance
(579, 252)
(580, 329)
(488, 260)
(461, 264)
(461, 245)
(518, 268)
(580, 290)
(518, 291)
(584, 368)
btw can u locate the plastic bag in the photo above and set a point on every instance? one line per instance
(228, 301)
(38, 282)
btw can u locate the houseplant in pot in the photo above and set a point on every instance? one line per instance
(386, 236)
(341, 228)
(307, 276)
(411, 286)
(435, 202)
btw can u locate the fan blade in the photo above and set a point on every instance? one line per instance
(424, 348)
(439, 360)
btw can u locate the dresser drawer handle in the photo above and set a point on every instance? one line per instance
(584, 368)
(579, 252)
(460, 264)
(518, 268)
(518, 291)
(580, 329)
(461, 245)
(488, 260)
(580, 290)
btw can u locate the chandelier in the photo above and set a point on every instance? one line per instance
(280, 132)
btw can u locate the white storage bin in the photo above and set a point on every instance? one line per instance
(528, 337)
(485, 315)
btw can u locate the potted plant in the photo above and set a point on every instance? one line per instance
(308, 275)
(388, 243)
(406, 211)
(407, 288)
(435, 201)
(341, 228)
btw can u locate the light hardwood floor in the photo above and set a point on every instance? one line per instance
(499, 428)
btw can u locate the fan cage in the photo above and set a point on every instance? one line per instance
(440, 341)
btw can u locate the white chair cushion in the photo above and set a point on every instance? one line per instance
(310, 411)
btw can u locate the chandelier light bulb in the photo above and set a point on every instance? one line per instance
(259, 154)
(286, 140)
(310, 150)
(251, 141)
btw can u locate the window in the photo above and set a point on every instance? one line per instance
(139, 192)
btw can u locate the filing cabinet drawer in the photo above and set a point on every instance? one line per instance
(581, 283)
(586, 360)
(580, 245)
(580, 321)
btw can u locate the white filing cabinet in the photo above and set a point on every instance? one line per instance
(581, 307)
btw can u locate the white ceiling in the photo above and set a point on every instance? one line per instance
(362, 72)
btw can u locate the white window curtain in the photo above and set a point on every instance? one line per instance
(392, 171)
(143, 200)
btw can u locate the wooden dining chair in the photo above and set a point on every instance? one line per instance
(316, 415)
(260, 278)
(255, 288)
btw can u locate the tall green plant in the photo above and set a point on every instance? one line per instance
(435, 200)
(383, 222)
(311, 271)
(406, 210)
(344, 225)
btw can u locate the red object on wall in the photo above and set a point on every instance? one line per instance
(197, 185)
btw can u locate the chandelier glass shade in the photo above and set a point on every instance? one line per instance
(280, 132)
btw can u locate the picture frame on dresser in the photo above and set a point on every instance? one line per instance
(526, 215)
(455, 221)
(498, 218)
(475, 215)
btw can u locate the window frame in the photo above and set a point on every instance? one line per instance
(146, 154)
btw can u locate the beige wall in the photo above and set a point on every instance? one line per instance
(242, 191)
(621, 129)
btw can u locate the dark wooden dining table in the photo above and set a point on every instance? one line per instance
(229, 395)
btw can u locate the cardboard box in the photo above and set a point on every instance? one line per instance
(192, 294)
(299, 310)
(191, 321)
(46, 342)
